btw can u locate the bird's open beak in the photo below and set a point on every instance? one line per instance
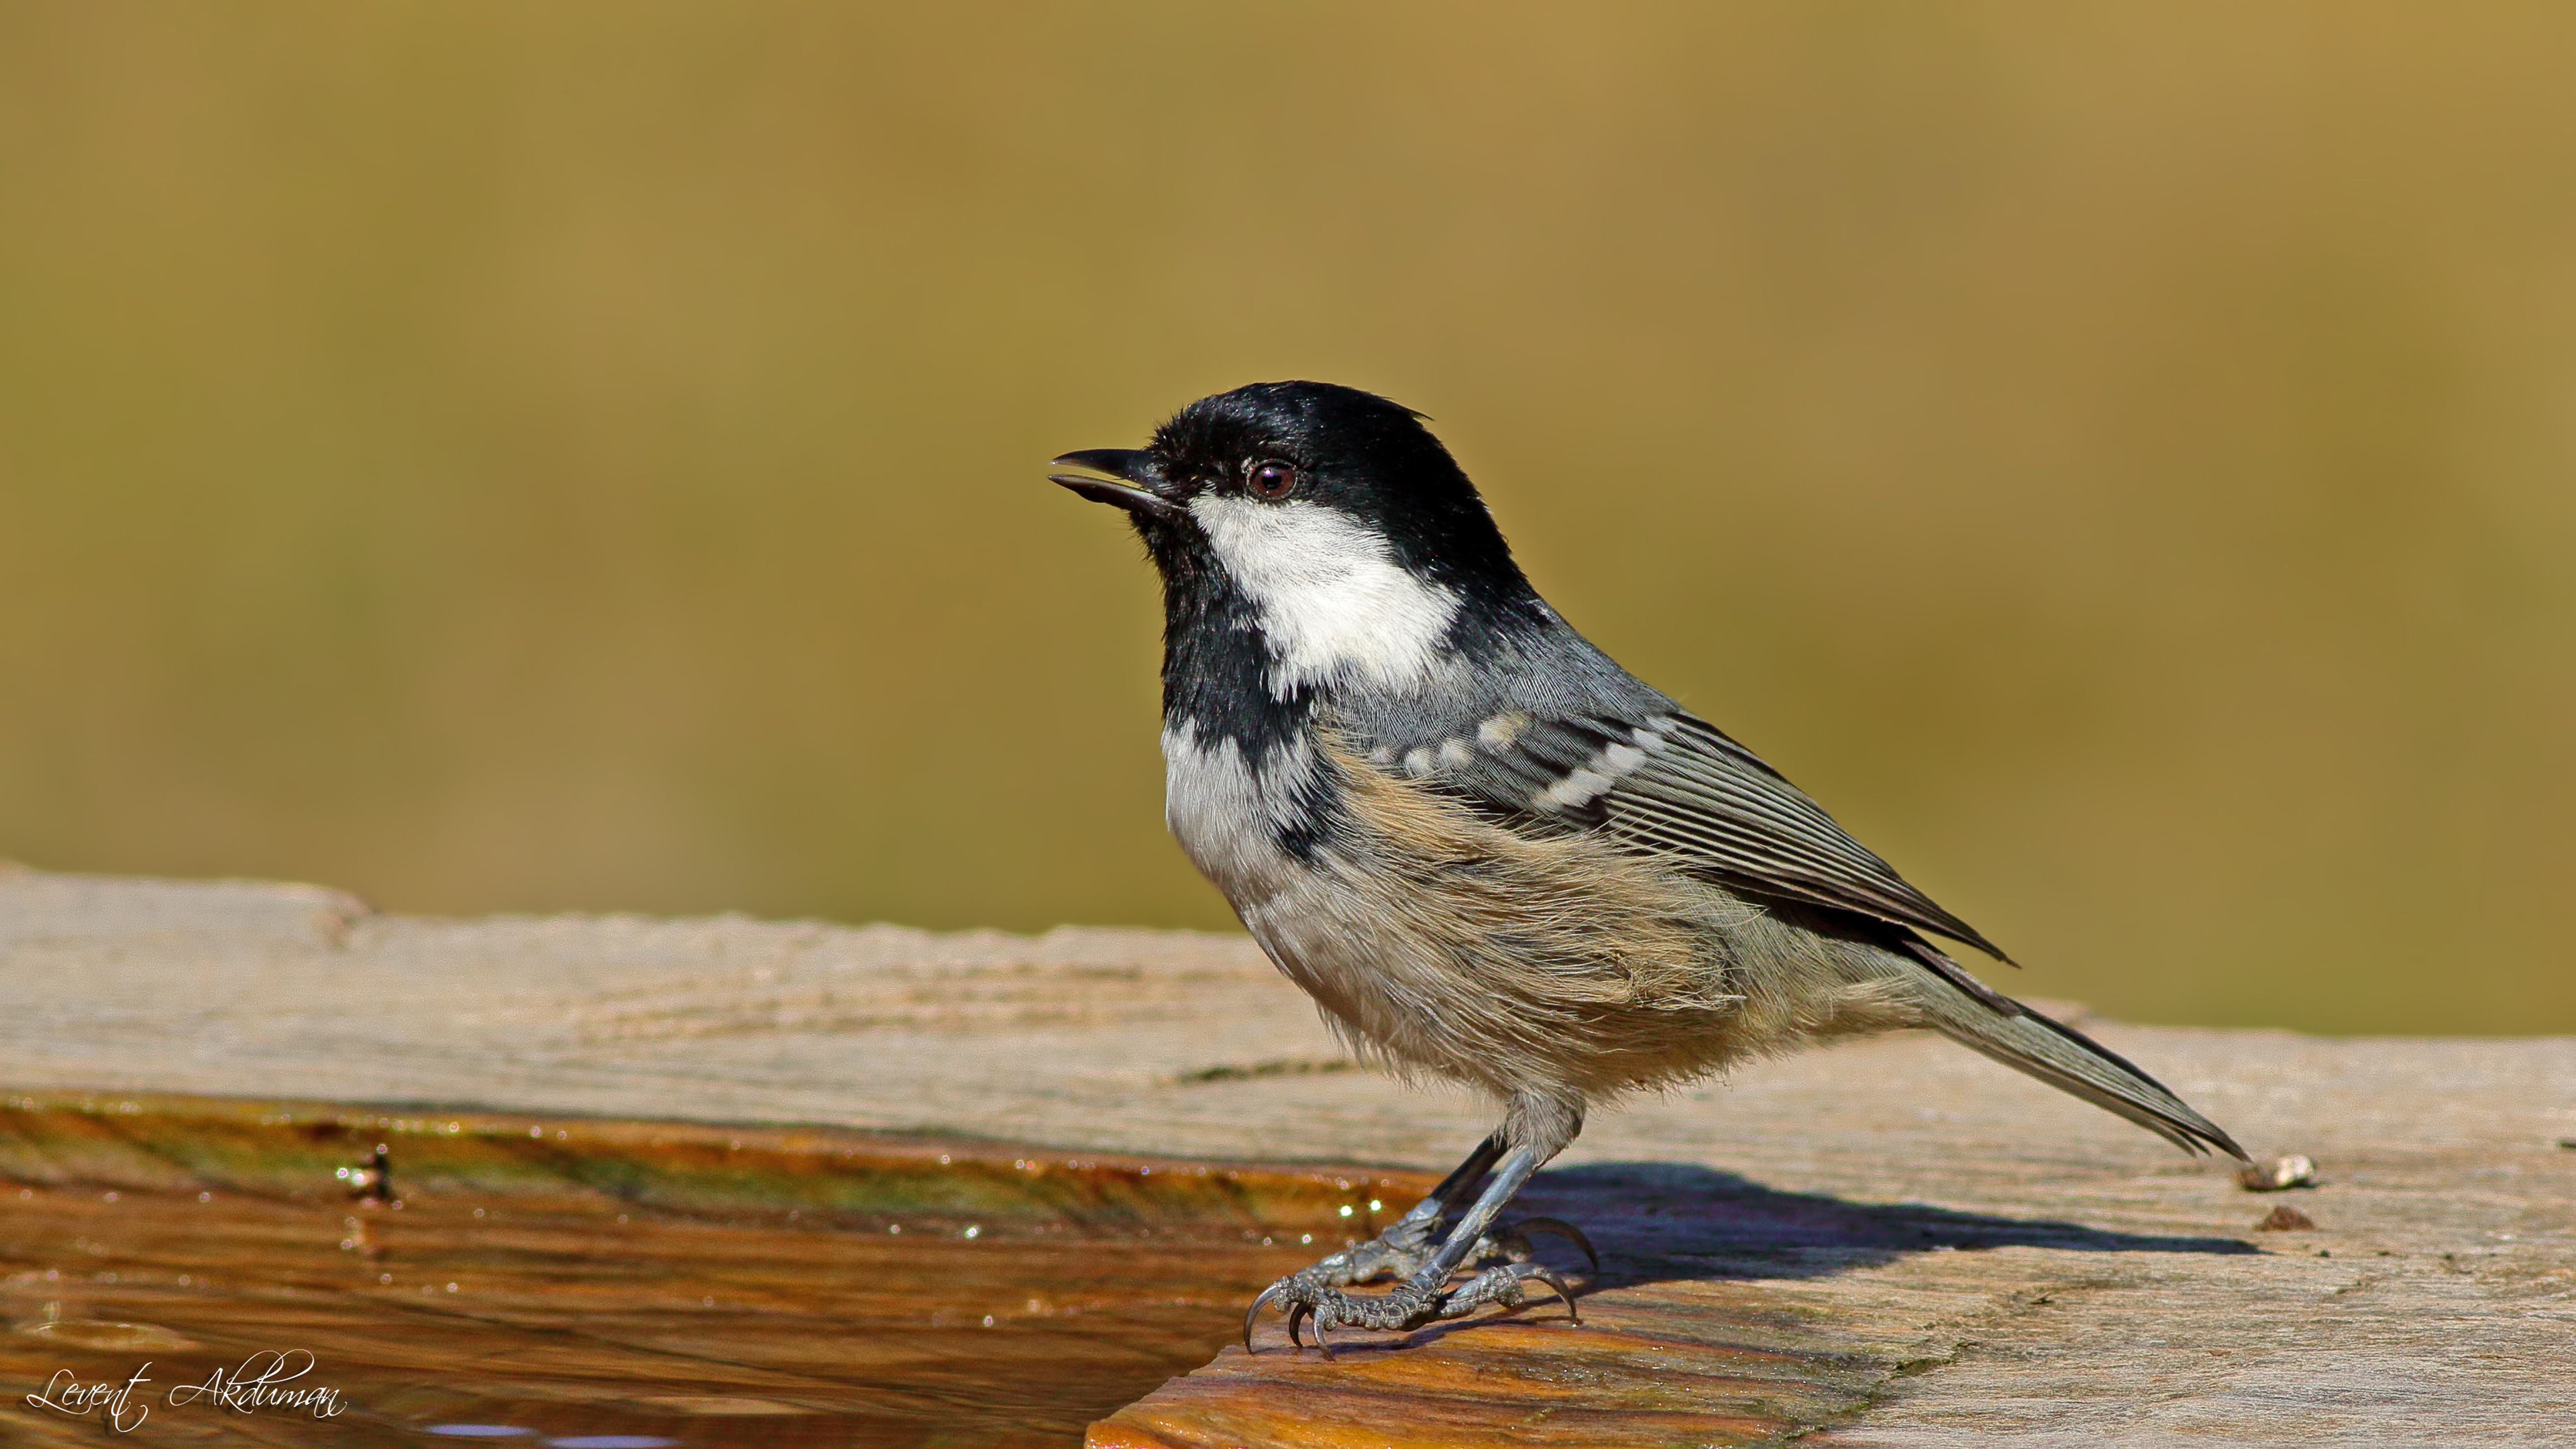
(1131, 483)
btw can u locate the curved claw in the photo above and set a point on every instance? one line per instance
(1298, 1313)
(1548, 1276)
(1259, 1301)
(1562, 1229)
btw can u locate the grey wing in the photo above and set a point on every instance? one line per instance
(1675, 785)
(1661, 781)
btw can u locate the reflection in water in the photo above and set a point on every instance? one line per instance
(584, 1322)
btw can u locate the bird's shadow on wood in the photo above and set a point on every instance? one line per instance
(1657, 1221)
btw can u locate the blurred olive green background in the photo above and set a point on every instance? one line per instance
(2122, 459)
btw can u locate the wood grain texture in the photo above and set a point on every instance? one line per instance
(1894, 1241)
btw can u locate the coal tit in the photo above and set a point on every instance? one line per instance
(1489, 853)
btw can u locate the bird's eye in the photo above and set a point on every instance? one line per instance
(1273, 480)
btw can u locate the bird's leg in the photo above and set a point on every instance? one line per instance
(1407, 1243)
(1400, 1250)
(1536, 1132)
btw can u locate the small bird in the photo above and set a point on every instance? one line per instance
(1488, 852)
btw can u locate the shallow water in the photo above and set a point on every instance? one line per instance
(593, 1320)
(568, 1319)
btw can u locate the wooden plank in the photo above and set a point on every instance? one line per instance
(1936, 1251)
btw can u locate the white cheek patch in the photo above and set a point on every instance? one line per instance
(1335, 605)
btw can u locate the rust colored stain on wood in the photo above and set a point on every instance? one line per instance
(148, 1141)
(1721, 1315)
(1682, 1342)
(1515, 1381)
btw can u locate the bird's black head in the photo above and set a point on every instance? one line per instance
(1299, 449)
(1324, 522)
(1319, 550)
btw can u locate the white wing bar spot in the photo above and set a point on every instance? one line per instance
(1589, 782)
(1581, 787)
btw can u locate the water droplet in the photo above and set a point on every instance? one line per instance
(99, 1335)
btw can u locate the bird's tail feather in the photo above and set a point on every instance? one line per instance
(1976, 1016)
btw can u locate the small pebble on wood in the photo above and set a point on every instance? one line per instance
(2285, 1219)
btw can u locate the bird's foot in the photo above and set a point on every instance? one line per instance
(1409, 1305)
(1405, 1251)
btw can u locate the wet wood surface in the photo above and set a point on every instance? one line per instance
(1891, 1243)
(580, 1279)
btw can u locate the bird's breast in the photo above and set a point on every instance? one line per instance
(1244, 816)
